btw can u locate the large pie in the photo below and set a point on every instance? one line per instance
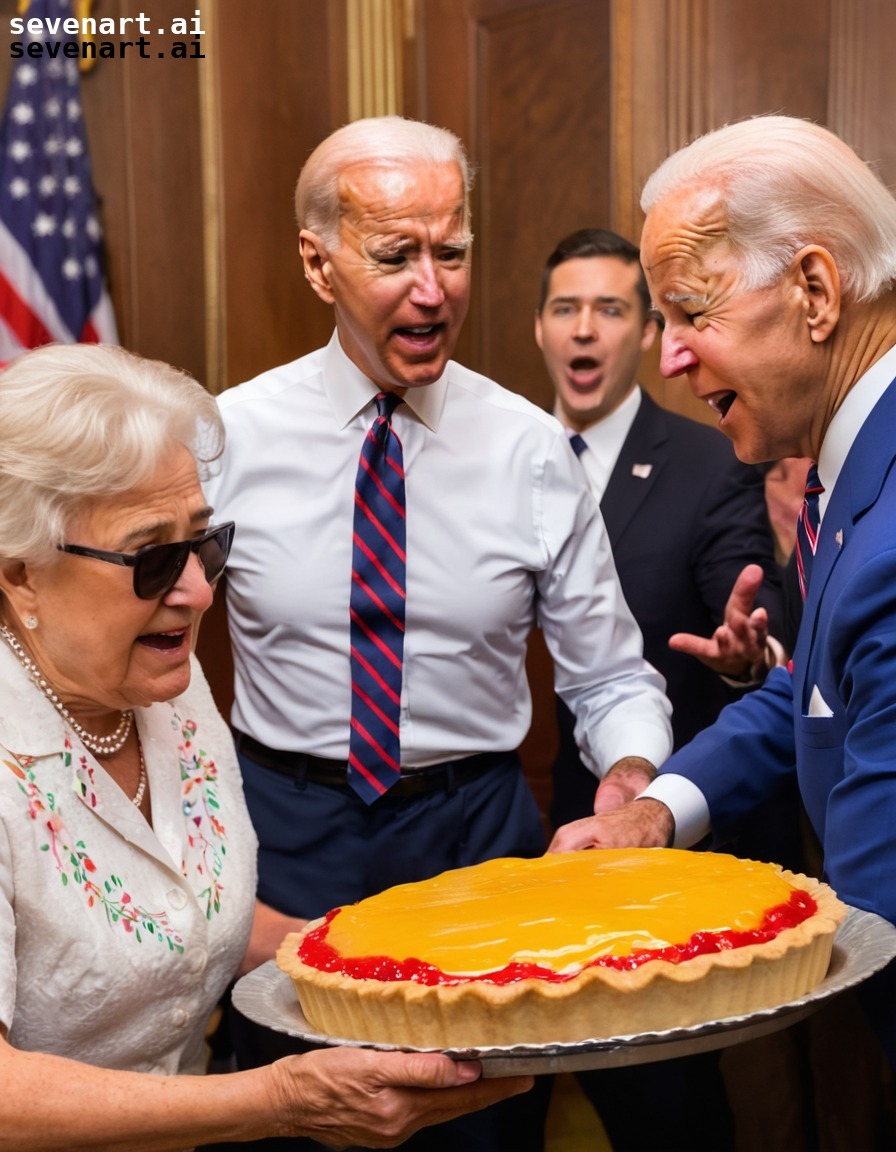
(564, 948)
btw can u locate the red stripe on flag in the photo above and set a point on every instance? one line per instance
(28, 328)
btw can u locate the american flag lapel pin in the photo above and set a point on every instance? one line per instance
(838, 536)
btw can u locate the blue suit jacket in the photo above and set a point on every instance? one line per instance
(845, 752)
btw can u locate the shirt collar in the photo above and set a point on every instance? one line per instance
(350, 391)
(849, 418)
(605, 437)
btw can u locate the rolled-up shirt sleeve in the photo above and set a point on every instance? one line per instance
(618, 698)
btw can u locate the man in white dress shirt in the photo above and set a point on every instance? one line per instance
(501, 532)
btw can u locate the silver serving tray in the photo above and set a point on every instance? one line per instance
(864, 944)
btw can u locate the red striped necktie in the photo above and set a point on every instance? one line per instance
(377, 608)
(807, 528)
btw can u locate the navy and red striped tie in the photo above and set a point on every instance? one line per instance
(377, 608)
(807, 528)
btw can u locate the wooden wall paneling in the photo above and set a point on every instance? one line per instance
(659, 103)
(768, 57)
(862, 93)
(541, 106)
(143, 119)
(281, 91)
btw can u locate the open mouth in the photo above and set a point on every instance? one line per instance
(584, 373)
(164, 641)
(420, 332)
(721, 402)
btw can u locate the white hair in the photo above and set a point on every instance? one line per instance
(787, 183)
(389, 141)
(87, 420)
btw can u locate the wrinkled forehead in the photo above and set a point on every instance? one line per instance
(682, 231)
(380, 197)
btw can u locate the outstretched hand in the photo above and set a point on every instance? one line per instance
(345, 1096)
(646, 823)
(739, 646)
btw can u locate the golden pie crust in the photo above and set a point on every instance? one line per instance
(556, 915)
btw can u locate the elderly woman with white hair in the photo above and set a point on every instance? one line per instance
(127, 860)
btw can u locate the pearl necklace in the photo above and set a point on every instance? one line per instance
(141, 786)
(98, 745)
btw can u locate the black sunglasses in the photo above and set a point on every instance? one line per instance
(157, 567)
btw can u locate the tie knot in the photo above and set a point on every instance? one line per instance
(814, 486)
(577, 443)
(386, 403)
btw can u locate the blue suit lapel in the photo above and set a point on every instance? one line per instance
(857, 489)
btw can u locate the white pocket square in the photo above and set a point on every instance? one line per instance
(817, 706)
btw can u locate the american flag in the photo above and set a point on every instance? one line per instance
(52, 287)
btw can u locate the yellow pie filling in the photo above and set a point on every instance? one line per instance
(563, 948)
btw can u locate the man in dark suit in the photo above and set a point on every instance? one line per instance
(770, 249)
(684, 516)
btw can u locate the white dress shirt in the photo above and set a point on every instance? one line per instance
(117, 939)
(502, 533)
(685, 800)
(604, 440)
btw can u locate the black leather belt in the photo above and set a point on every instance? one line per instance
(334, 773)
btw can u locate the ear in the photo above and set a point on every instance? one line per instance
(16, 587)
(819, 280)
(13, 576)
(651, 327)
(317, 264)
(538, 338)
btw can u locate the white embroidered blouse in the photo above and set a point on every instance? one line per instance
(117, 938)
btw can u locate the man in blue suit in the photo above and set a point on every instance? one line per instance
(770, 250)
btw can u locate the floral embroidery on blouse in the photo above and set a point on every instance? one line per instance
(206, 835)
(73, 862)
(205, 838)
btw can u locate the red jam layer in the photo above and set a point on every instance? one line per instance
(317, 953)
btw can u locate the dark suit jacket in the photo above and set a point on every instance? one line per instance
(843, 744)
(680, 537)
